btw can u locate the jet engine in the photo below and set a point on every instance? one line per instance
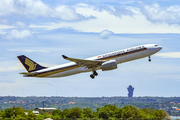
(109, 65)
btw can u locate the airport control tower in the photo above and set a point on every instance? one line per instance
(130, 90)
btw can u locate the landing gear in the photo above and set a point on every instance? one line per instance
(149, 59)
(94, 74)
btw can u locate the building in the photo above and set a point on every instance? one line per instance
(72, 102)
(36, 112)
(45, 109)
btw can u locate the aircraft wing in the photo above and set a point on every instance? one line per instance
(85, 63)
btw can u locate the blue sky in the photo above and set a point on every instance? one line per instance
(44, 30)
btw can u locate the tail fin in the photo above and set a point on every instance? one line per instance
(29, 64)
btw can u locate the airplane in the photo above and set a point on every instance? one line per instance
(104, 62)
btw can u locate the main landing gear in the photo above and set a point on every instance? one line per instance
(149, 59)
(94, 74)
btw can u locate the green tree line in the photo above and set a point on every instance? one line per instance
(108, 112)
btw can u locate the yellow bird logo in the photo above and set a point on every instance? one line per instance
(31, 64)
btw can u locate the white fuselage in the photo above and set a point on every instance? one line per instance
(120, 56)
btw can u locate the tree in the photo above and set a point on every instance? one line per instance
(148, 110)
(39, 117)
(1, 114)
(129, 112)
(19, 112)
(75, 113)
(19, 117)
(118, 113)
(159, 114)
(142, 115)
(8, 113)
(108, 111)
(87, 113)
(56, 112)
(56, 117)
(31, 115)
(65, 113)
(103, 114)
(46, 115)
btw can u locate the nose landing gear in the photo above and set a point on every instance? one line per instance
(94, 74)
(149, 59)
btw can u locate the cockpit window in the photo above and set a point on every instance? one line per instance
(155, 45)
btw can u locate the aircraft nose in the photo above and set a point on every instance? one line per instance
(159, 47)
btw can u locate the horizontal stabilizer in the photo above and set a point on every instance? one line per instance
(29, 74)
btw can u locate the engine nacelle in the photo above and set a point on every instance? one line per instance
(109, 65)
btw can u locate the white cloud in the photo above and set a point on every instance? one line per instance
(156, 13)
(36, 8)
(10, 65)
(66, 13)
(15, 34)
(2, 26)
(126, 2)
(22, 7)
(18, 66)
(119, 19)
(19, 24)
(105, 20)
(169, 55)
(118, 11)
(30, 51)
(105, 34)
(1, 69)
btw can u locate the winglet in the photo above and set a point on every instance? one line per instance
(65, 57)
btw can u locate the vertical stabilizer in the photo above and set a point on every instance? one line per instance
(29, 64)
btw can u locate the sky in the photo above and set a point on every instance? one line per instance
(44, 30)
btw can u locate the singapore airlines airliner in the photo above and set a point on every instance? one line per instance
(104, 62)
